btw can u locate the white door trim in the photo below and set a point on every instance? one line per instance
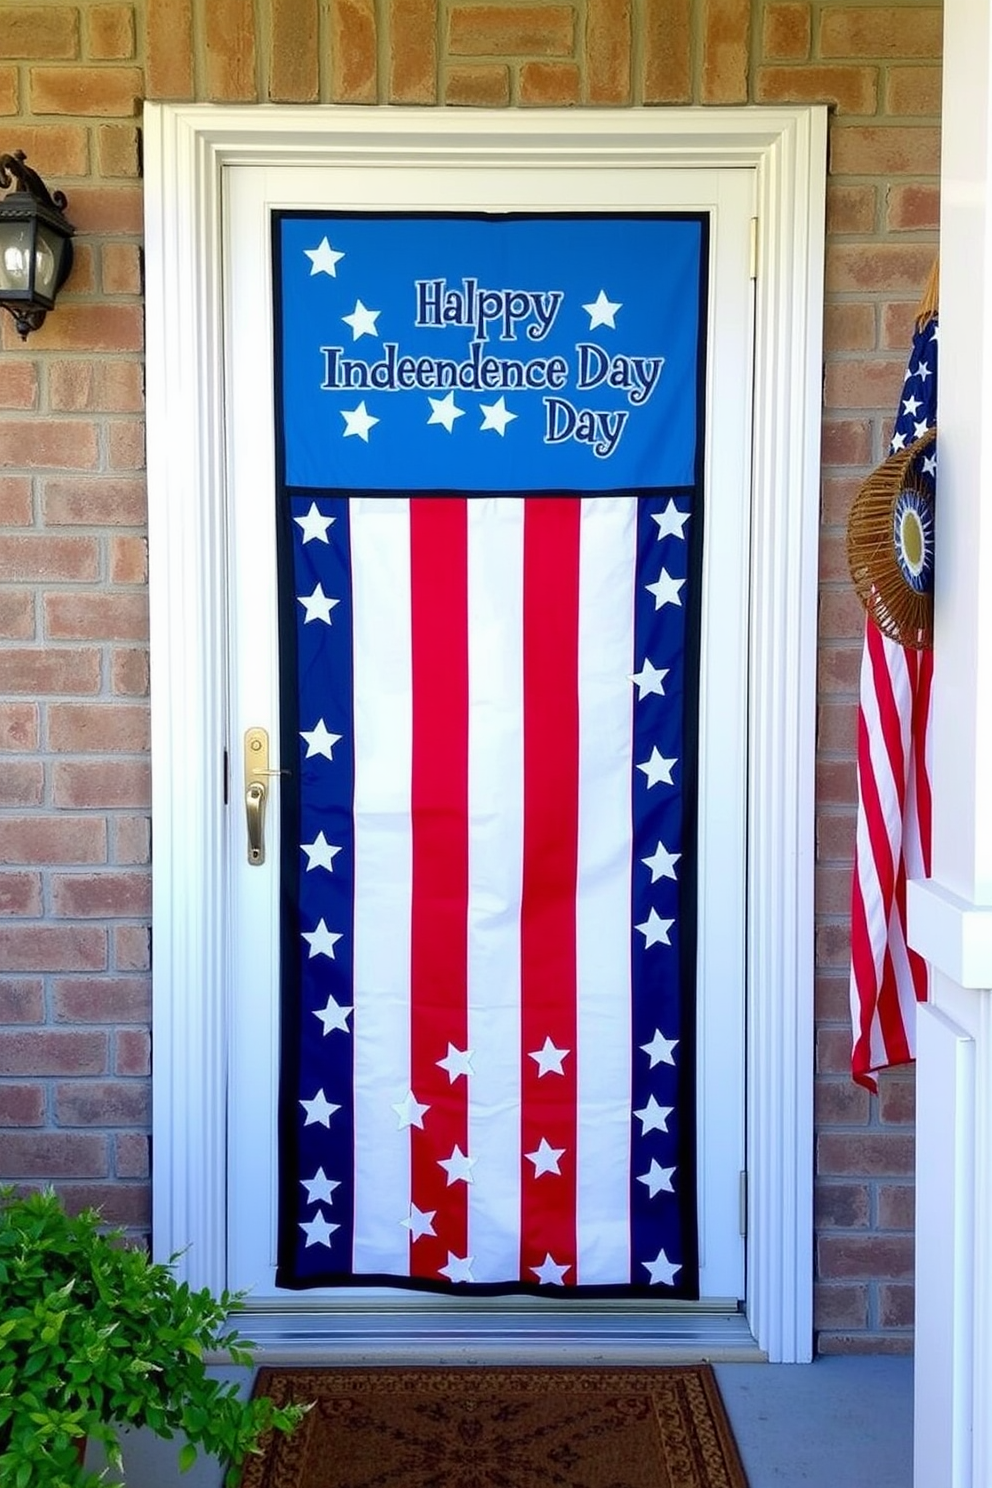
(186, 149)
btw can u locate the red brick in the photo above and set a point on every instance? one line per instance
(841, 1103)
(22, 1105)
(868, 1256)
(87, 616)
(354, 57)
(913, 91)
(486, 85)
(832, 1001)
(229, 33)
(101, 895)
(294, 55)
(132, 948)
(97, 502)
(896, 1206)
(134, 1052)
(56, 151)
(126, 444)
(837, 494)
(118, 150)
(101, 999)
(22, 1000)
(102, 783)
(86, 90)
(107, 210)
(842, 1206)
(840, 1307)
(413, 51)
(884, 150)
(129, 672)
(863, 383)
(726, 38)
(19, 727)
(832, 945)
(102, 1103)
(110, 33)
(833, 1045)
(9, 91)
(898, 324)
(34, 444)
(169, 49)
(21, 784)
(49, 1051)
(511, 31)
(839, 671)
(913, 208)
(849, 326)
(51, 1155)
(608, 51)
(17, 614)
(897, 1100)
(131, 1155)
(101, 327)
(39, 672)
(98, 727)
(82, 279)
(838, 726)
(15, 501)
(786, 32)
(895, 1305)
(120, 269)
(33, 31)
(835, 837)
(865, 1154)
(832, 894)
(851, 209)
(550, 84)
(881, 31)
(841, 614)
(124, 1204)
(36, 558)
(853, 90)
(132, 839)
(846, 442)
(667, 45)
(53, 839)
(18, 383)
(99, 385)
(20, 894)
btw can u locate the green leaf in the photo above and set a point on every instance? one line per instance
(187, 1457)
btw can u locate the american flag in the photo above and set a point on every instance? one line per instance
(894, 798)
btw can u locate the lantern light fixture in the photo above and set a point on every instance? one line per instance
(35, 244)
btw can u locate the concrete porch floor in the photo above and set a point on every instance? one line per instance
(836, 1423)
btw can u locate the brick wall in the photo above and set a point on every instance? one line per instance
(74, 768)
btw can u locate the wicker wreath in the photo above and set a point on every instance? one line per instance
(890, 545)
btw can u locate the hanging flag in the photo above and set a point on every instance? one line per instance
(489, 684)
(894, 796)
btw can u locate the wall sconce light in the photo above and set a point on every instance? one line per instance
(35, 246)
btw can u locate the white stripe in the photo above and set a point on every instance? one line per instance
(380, 549)
(495, 600)
(606, 594)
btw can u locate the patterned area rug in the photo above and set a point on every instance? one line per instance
(501, 1428)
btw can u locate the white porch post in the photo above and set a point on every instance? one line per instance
(951, 916)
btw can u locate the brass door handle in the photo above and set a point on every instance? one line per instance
(257, 774)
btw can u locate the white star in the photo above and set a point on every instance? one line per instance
(362, 321)
(358, 421)
(910, 406)
(657, 768)
(545, 1158)
(319, 1110)
(898, 442)
(317, 1230)
(549, 1059)
(659, 1050)
(320, 853)
(334, 1015)
(459, 1268)
(920, 429)
(935, 333)
(653, 1117)
(661, 1269)
(319, 740)
(657, 1179)
(321, 941)
(655, 929)
(666, 591)
(549, 1273)
(649, 679)
(323, 260)
(444, 412)
(496, 416)
(602, 312)
(671, 522)
(320, 1188)
(410, 1111)
(455, 1063)
(662, 863)
(317, 605)
(923, 371)
(314, 524)
(420, 1222)
(458, 1167)
(930, 464)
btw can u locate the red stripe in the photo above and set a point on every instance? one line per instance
(439, 933)
(550, 868)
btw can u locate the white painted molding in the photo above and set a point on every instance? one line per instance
(186, 151)
(949, 932)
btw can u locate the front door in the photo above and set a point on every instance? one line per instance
(270, 214)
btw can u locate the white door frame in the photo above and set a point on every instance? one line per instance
(186, 150)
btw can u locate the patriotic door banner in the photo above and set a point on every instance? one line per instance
(489, 475)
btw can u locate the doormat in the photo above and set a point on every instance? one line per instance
(500, 1428)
